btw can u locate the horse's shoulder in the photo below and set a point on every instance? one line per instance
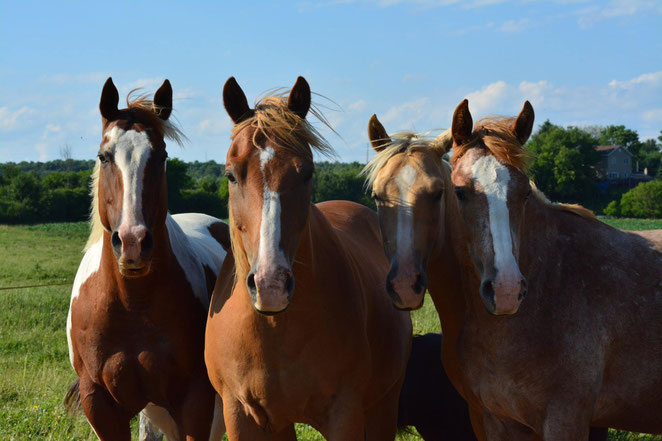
(89, 265)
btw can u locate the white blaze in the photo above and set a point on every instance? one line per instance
(494, 178)
(269, 252)
(131, 150)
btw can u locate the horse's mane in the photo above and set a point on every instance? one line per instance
(572, 208)
(494, 134)
(142, 110)
(275, 121)
(404, 142)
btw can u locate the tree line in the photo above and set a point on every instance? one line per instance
(563, 166)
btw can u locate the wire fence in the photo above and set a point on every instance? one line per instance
(41, 285)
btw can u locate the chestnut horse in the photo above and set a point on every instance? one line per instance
(138, 306)
(585, 346)
(307, 333)
(425, 242)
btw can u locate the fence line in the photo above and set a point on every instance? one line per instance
(6, 288)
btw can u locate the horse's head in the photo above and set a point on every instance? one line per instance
(269, 167)
(492, 188)
(130, 192)
(409, 184)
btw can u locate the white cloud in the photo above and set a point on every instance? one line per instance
(489, 97)
(653, 116)
(513, 26)
(15, 119)
(64, 78)
(357, 106)
(616, 8)
(653, 79)
(407, 113)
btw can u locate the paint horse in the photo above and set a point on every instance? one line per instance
(584, 347)
(306, 333)
(138, 306)
(424, 240)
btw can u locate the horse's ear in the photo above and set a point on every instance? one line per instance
(523, 125)
(162, 103)
(377, 133)
(110, 98)
(443, 143)
(235, 101)
(462, 123)
(299, 99)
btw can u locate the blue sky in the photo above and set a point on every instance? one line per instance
(579, 62)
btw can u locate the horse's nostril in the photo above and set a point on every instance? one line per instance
(419, 284)
(289, 283)
(250, 282)
(147, 243)
(115, 240)
(523, 290)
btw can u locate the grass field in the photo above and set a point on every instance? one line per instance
(34, 363)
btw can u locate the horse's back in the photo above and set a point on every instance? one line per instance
(197, 242)
(357, 221)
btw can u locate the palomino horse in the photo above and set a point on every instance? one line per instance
(138, 306)
(424, 240)
(331, 352)
(584, 347)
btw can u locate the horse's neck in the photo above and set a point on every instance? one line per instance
(452, 275)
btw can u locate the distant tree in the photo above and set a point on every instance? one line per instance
(564, 162)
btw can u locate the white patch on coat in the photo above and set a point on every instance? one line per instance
(130, 150)
(88, 266)
(270, 228)
(494, 178)
(404, 180)
(162, 419)
(194, 246)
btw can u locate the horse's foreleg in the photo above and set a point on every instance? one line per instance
(109, 422)
(382, 418)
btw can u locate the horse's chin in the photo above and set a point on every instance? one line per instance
(134, 272)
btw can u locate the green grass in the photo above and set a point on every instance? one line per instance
(34, 364)
(634, 224)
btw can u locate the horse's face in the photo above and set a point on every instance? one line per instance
(409, 191)
(132, 192)
(492, 197)
(270, 189)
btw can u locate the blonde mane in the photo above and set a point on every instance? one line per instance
(275, 121)
(572, 208)
(405, 142)
(141, 110)
(494, 134)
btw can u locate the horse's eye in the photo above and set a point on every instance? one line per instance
(528, 195)
(376, 197)
(103, 158)
(461, 193)
(230, 176)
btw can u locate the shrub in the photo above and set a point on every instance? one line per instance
(645, 200)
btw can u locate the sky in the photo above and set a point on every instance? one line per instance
(579, 62)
